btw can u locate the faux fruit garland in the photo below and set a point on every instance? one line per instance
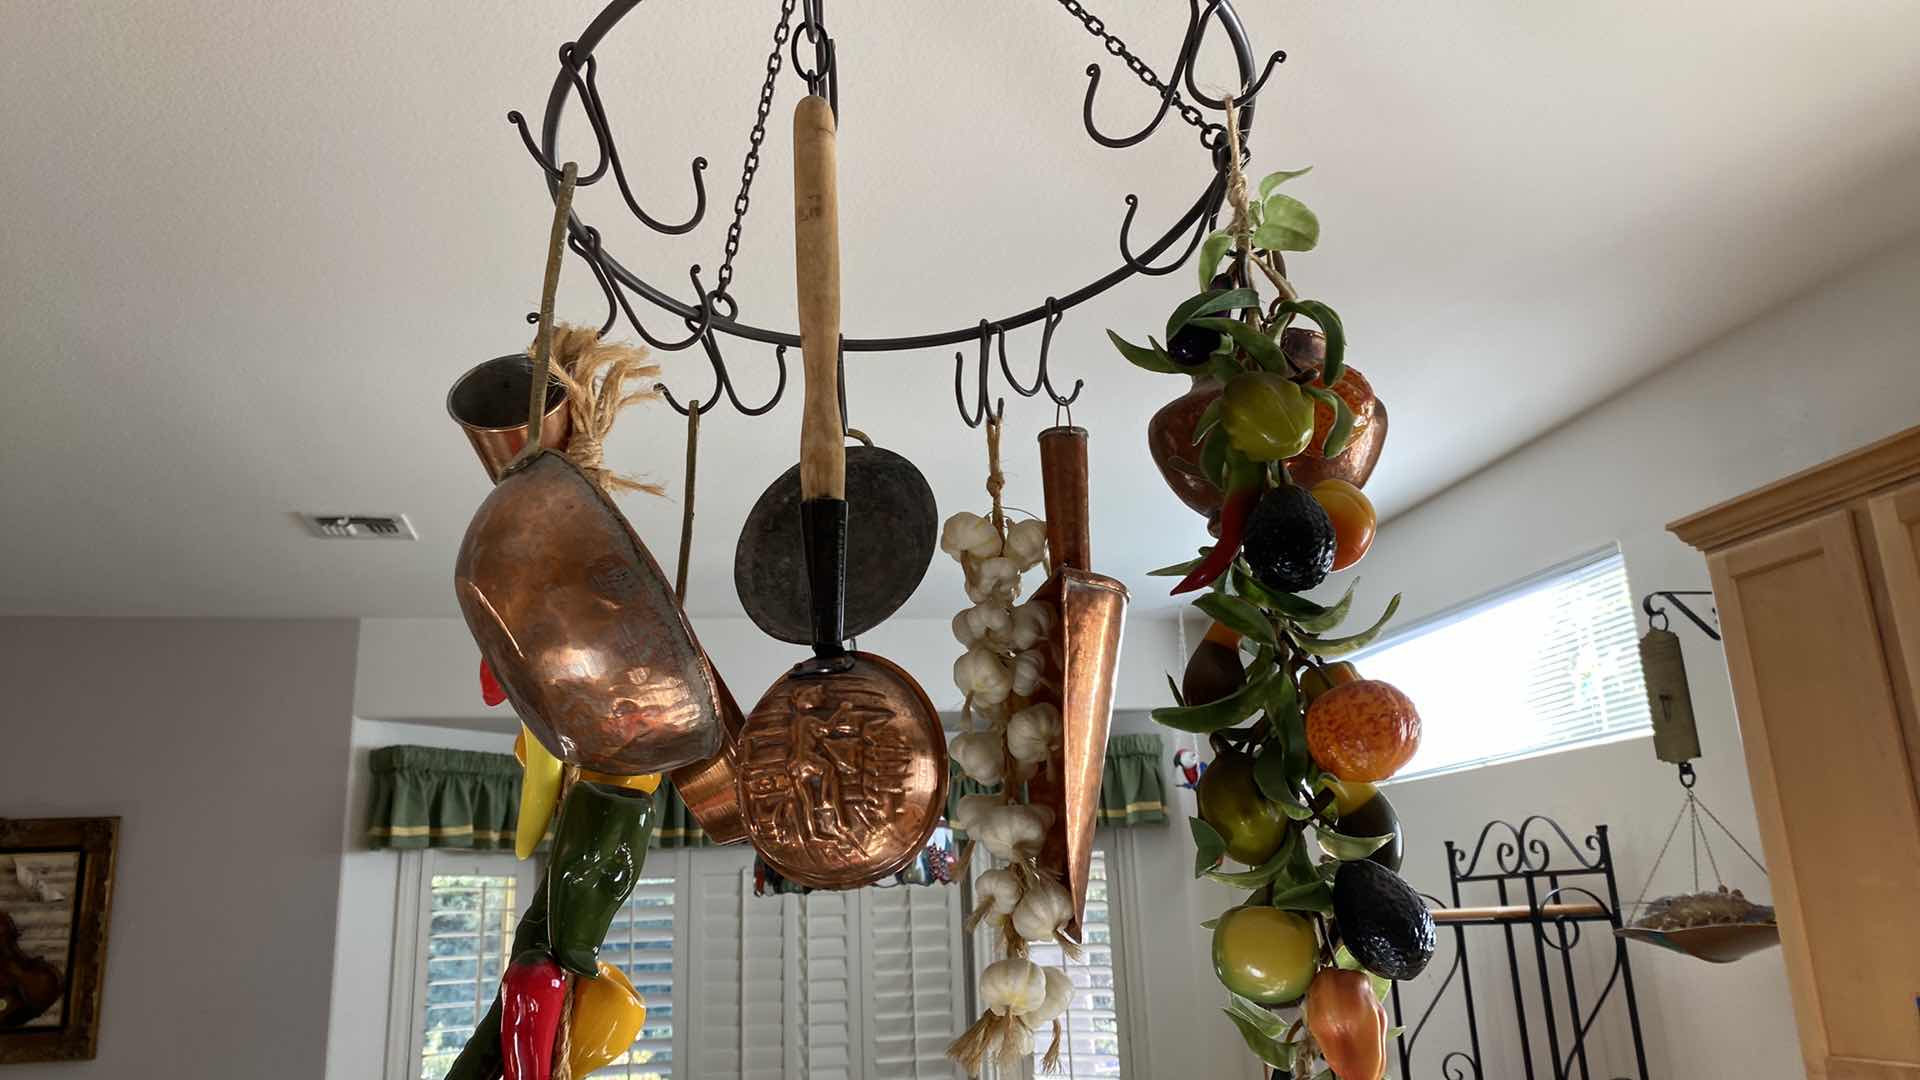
(1275, 457)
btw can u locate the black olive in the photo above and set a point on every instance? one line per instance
(1289, 541)
(1191, 345)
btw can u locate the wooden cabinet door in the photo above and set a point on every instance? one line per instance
(1896, 528)
(1835, 797)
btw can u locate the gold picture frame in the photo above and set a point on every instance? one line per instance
(56, 892)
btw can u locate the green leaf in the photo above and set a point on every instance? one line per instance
(1263, 1047)
(1344, 646)
(1216, 451)
(1209, 417)
(1264, 350)
(1212, 250)
(1329, 323)
(1259, 875)
(1287, 225)
(1177, 569)
(1307, 896)
(1174, 689)
(1229, 710)
(1236, 614)
(1349, 848)
(1287, 604)
(1270, 776)
(1275, 179)
(1210, 924)
(1293, 739)
(1207, 303)
(1343, 959)
(1340, 432)
(1329, 617)
(1209, 846)
(1269, 1024)
(1153, 359)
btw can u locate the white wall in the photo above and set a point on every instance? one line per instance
(222, 746)
(1837, 369)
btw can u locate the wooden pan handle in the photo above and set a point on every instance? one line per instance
(816, 265)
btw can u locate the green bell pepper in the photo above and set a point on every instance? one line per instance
(1267, 417)
(599, 847)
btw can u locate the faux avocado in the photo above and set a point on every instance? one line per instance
(1375, 817)
(1290, 540)
(1384, 923)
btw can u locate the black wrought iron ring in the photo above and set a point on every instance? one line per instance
(1205, 207)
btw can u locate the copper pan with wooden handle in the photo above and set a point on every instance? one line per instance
(843, 766)
(1082, 655)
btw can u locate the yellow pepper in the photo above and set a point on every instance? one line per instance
(539, 792)
(645, 783)
(607, 1016)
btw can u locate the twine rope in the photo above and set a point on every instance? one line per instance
(595, 374)
(1242, 225)
(996, 480)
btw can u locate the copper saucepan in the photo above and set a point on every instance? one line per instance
(843, 766)
(1082, 654)
(569, 609)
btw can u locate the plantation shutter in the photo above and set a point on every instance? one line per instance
(916, 989)
(1551, 662)
(737, 1027)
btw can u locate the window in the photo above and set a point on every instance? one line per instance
(1550, 664)
(1090, 1046)
(640, 943)
(469, 931)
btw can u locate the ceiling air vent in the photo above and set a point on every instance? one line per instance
(360, 526)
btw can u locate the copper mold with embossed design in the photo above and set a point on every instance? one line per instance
(843, 775)
(1082, 654)
(489, 403)
(581, 628)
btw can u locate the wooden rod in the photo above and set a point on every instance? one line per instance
(1518, 912)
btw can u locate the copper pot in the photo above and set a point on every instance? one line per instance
(709, 787)
(581, 628)
(489, 403)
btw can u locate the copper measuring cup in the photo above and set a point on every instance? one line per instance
(568, 607)
(490, 403)
(843, 765)
(1082, 654)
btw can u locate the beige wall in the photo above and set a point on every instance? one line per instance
(222, 746)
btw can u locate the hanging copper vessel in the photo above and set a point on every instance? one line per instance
(1083, 653)
(489, 403)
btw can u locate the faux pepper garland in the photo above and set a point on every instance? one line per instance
(999, 674)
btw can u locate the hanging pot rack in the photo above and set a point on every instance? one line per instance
(714, 313)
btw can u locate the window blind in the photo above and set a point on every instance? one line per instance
(640, 942)
(1091, 1043)
(470, 928)
(1551, 663)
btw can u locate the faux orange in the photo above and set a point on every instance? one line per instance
(1354, 520)
(1363, 731)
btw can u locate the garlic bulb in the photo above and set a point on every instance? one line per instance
(1045, 908)
(984, 621)
(1059, 996)
(1011, 831)
(1032, 622)
(998, 891)
(1032, 732)
(983, 673)
(980, 755)
(1014, 985)
(962, 630)
(967, 816)
(1027, 668)
(1016, 1043)
(969, 534)
(1027, 543)
(995, 577)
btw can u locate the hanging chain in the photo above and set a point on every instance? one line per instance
(1210, 134)
(782, 30)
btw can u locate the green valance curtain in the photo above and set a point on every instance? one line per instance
(1132, 789)
(427, 797)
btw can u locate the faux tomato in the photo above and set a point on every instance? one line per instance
(1354, 520)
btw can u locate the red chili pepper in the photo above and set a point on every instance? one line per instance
(1233, 526)
(533, 995)
(490, 691)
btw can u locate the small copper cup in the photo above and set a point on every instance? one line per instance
(709, 787)
(490, 405)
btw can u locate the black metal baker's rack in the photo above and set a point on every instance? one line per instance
(1542, 898)
(712, 314)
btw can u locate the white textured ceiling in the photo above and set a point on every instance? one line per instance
(245, 247)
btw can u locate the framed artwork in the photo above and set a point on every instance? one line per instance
(56, 889)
